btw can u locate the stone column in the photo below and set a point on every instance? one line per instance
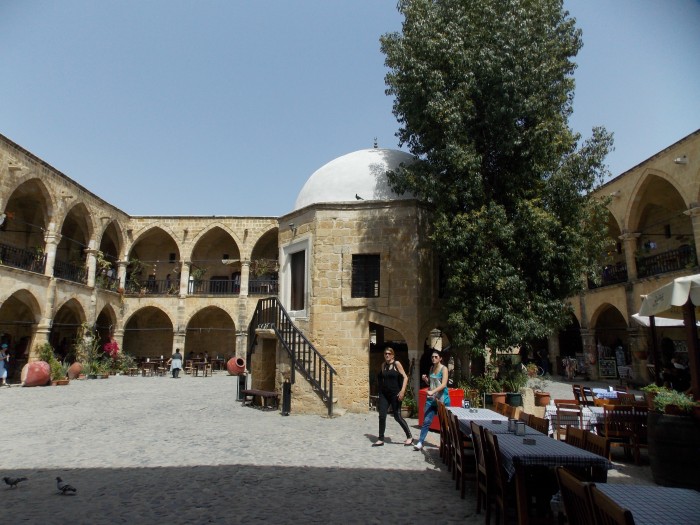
(184, 278)
(118, 335)
(91, 266)
(694, 214)
(590, 352)
(52, 239)
(638, 346)
(245, 277)
(629, 245)
(121, 273)
(554, 352)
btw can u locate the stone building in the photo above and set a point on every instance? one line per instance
(654, 226)
(310, 297)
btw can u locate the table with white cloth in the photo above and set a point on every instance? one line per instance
(591, 416)
(602, 393)
(651, 504)
(495, 427)
(466, 416)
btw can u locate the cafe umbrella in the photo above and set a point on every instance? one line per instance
(679, 298)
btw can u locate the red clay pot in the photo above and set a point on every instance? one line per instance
(235, 366)
(74, 370)
(36, 373)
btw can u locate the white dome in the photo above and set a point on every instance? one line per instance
(358, 174)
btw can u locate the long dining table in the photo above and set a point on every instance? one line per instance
(651, 504)
(592, 417)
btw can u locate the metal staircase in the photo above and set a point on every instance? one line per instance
(270, 315)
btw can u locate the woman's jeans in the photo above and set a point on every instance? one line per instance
(428, 415)
(386, 399)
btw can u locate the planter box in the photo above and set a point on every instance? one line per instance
(674, 452)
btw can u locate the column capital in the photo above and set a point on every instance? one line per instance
(693, 211)
(628, 236)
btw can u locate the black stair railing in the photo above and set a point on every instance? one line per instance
(270, 314)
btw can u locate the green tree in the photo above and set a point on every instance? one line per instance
(483, 90)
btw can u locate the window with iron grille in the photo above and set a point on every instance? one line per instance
(365, 275)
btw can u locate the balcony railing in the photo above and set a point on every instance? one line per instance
(612, 274)
(28, 260)
(213, 287)
(70, 272)
(152, 287)
(263, 287)
(670, 261)
(107, 282)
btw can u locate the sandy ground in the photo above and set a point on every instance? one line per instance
(159, 450)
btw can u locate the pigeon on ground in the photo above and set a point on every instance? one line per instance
(13, 482)
(64, 488)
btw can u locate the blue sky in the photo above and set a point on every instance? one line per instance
(172, 107)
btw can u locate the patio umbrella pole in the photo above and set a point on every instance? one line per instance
(655, 351)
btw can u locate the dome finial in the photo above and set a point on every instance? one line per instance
(375, 143)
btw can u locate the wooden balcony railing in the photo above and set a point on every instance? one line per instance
(611, 274)
(214, 287)
(263, 287)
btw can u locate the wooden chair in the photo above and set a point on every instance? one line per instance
(619, 427)
(567, 415)
(445, 449)
(208, 371)
(524, 417)
(626, 399)
(472, 395)
(500, 408)
(607, 511)
(480, 470)
(578, 396)
(463, 455)
(588, 396)
(640, 431)
(597, 444)
(511, 412)
(575, 437)
(621, 389)
(540, 424)
(576, 497)
(500, 493)
(188, 366)
(603, 401)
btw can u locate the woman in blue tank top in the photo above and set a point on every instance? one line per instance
(437, 390)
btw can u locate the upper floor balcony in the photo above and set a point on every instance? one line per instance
(30, 260)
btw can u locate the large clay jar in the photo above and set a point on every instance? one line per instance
(36, 373)
(235, 366)
(74, 370)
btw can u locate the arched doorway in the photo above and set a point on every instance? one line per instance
(65, 328)
(213, 331)
(149, 333)
(19, 315)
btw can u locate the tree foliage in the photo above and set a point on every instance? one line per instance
(483, 90)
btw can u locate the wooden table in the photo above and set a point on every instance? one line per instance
(592, 416)
(148, 368)
(652, 505)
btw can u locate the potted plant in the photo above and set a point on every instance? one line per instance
(490, 387)
(673, 435)
(513, 378)
(409, 406)
(58, 371)
(650, 392)
(539, 386)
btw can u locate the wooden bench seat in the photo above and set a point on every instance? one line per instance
(268, 400)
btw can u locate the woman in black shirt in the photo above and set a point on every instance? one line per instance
(392, 387)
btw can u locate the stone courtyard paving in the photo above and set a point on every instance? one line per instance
(159, 450)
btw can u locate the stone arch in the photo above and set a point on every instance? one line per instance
(217, 253)
(76, 233)
(148, 333)
(610, 326)
(65, 327)
(106, 323)
(158, 252)
(570, 341)
(28, 209)
(19, 315)
(30, 183)
(653, 183)
(211, 329)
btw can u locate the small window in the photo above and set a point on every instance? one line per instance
(365, 275)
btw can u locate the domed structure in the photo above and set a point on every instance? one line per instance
(359, 174)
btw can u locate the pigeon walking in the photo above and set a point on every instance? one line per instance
(64, 488)
(13, 482)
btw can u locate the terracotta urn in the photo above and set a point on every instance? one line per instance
(542, 398)
(235, 366)
(36, 373)
(74, 370)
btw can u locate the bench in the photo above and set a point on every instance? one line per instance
(267, 400)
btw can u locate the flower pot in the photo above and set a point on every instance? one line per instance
(542, 399)
(675, 410)
(649, 396)
(60, 382)
(37, 373)
(105, 376)
(498, 397)
(673, 450)
(514, 399)
(74, 370)
(406, 412)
